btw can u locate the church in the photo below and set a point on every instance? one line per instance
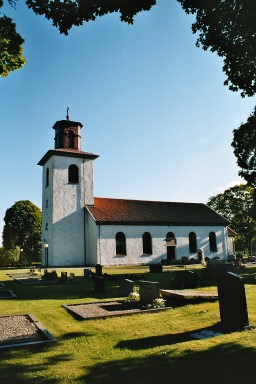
(82, 230)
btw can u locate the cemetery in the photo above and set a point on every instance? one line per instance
(201, 318)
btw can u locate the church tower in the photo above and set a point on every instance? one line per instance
(67, 188)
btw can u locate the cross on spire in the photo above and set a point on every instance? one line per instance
(67, 113)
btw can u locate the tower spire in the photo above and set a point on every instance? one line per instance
(67, 117)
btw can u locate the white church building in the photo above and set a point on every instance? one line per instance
(80, 229)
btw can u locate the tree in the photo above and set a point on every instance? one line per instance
(9, 257)
(235, 204)
(23, 224)
(229, 29)
(64, 14)
(244, 143)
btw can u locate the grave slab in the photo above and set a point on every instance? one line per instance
(104, 309)
(23, 331)
(187, 296)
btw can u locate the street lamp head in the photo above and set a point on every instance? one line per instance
(46, 245)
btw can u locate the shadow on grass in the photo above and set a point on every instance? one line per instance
(159, 341)
(220, 364)
(24, 373)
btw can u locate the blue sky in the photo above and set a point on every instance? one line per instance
(153, 107)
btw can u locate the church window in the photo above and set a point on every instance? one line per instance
(170, 239)
(120, 243)
(47, 178)
(147, 243)
(73, 174)
(46, 227)
(213, 242)
(46, 203)
(192, 242)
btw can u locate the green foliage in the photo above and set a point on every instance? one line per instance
(229, 29)
(9, 257)
(11, 57)
(23, 225)
(244, 144)
(64, 14)
(67, 13)
(236, 205)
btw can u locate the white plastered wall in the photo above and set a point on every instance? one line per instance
(65, 212)
(106, 247)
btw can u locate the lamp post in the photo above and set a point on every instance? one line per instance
(21, 250)
(46, 254)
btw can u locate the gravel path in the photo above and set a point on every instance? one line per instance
(18, 329)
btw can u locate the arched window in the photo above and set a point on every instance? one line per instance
(212, 242)
(120, 243)
(47, 178)
(192, 242)
(147, 243)
(170, 239)
(73, 174)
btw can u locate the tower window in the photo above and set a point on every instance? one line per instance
(47, 178)
(213, 242)
(192, 242)
(73, 174)
(120, 243)
(147, 243)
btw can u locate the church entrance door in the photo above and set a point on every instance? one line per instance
(171, 252)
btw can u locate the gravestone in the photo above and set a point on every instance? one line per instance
(216, 269)
(185, 279)
(232, 302)
(87, 273)
(126, 287)
(156, 268)
(64, 277)
(237, 263)
(98, 284)
(149, 291)
(71, 277)
(98, 270)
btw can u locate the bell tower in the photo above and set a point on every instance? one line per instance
(67, 189)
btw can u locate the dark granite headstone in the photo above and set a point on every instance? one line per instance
(156, 268)
(98, 284)
(185, 279)
(98, 270)
(71, 277)
(126, 287)
(149, 291)
(215, 269)
(232, 302)
(87, 273)
(64, 277)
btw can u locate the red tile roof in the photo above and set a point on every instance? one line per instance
(122, 211)
(70, 152)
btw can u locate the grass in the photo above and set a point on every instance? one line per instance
(144, 348)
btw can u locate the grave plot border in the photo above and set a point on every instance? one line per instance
(47, 338)
(12, 295)
(125, 312)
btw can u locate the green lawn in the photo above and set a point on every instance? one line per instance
(139, 349)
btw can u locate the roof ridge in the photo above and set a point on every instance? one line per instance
(148, 201)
